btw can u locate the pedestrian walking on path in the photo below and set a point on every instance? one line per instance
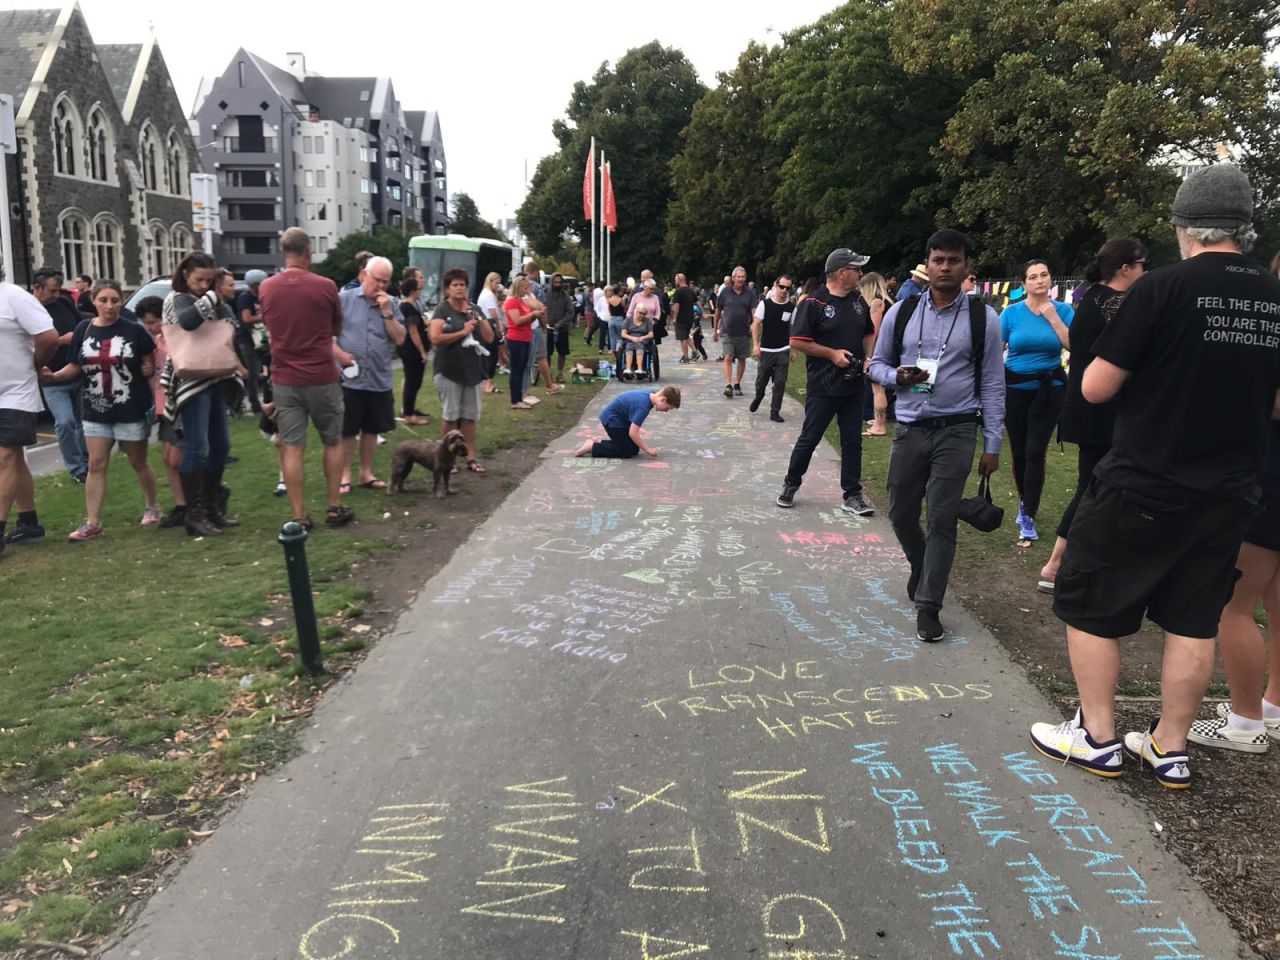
(941, 352)
(735, 304)
(1158, 533)
(833, 329)
(771, 345)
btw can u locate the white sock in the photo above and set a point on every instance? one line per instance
(1270, 711)
(1243, 724)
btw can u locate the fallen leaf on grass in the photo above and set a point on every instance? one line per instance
(231, 640)
(181, 737)
(361, 628)
(13, 906)
(200, 834)
(67, 865)
(265, 622)
(91, 854)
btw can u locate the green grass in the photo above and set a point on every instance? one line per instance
(121, 662)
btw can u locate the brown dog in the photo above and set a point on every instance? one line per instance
(436, 457)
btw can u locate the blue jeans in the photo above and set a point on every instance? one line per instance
(63, 401)
(615, 332)
(206, 439)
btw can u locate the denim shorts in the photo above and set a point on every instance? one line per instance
(130, 432)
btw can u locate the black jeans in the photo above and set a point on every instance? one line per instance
(773, 366)
(253, 364)
(518, 352)
(619, 445)
(414, 369)
(818, 412)
(1030, 416)
(1090, 455)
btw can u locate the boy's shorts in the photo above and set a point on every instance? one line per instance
(1131, 554)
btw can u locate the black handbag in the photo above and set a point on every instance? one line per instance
(980, 511)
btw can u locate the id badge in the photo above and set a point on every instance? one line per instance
(931, 368)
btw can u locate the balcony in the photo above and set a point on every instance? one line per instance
(240, 262)
(222, 158)
(269, 194)
(252, 227)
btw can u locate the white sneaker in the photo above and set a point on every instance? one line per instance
(1070, 742)
(1172, 768)
(1219, 733)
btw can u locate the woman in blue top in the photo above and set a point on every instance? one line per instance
(1036, 331)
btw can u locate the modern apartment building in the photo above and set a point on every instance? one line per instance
(333, 155)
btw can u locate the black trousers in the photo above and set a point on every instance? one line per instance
(818, 413)
(1090, 455)
(253, 364)
(1030, 417)
(619, 445)
(414, 368)
(773, 367)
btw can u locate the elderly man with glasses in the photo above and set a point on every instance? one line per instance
(771, 345)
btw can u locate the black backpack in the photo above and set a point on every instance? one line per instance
(977, 333)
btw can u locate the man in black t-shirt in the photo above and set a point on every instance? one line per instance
(682, 302)
(771, 345)
(1159, 530)
(248, 316)
(63, 399)
(833, 329)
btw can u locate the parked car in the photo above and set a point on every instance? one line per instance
(160, 287)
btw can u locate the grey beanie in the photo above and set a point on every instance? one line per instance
(1218, 196)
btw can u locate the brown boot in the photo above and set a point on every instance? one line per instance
(212, 495)
(197, 518)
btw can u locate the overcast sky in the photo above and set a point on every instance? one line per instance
(455, 57)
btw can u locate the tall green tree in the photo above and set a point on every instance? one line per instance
(340, 264)
(635, 111)
(468, 222)
(857, 134)
(725, 178)
(1077, 113)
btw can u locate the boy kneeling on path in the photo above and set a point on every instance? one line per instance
(622, 419)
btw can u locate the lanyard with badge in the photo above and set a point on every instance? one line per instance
(930, 366)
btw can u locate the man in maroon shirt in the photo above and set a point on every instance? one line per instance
(303, 316)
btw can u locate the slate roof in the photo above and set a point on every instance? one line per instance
(119, 60)
(416, 121)
(285, 83)
(23, 35)
(339, 97)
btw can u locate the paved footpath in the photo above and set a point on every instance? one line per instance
(644, 713)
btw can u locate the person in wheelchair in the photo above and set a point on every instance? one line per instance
(637, 334)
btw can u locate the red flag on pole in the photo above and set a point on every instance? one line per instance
(588, 181)
(610, 207)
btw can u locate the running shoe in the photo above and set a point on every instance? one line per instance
(152, 516)
(1021, 515)
(728, 391)
(1070, 742)
(858, 505)
(737, 389)
(1272, 725)
(1027, 528)
(85, 532)
(280, 489)
(1172, 768)
(25, 534)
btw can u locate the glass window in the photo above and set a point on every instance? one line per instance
(364, 185)
(99, 147)
(320, 178)
(323, 244)
(308, 178)
(105, 239)
(64, 138)
(74, 236)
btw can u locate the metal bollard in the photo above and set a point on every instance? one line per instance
(293, 537)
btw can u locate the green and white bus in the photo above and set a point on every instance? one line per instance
(433, 255)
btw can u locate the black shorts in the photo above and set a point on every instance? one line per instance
(1265, 531)
(367, 411)
(558, 340)
(682, 330)
(17, 428)
(1131, 555)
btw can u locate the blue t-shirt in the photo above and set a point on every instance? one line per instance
(627, 408)
(1033, 346)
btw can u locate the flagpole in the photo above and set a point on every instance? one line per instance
(600, 219)
(594, 214)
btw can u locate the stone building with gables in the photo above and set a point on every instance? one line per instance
(101, 181)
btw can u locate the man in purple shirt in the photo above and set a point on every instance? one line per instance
(940, 409)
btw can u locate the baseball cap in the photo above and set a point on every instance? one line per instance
(844, 257)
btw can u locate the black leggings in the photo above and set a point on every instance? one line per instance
(1030, 416)
(1090, 455)
(414, 368)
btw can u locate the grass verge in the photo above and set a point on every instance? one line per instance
(147, 677)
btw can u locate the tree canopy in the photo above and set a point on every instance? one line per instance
(635, 111)
(467, 221)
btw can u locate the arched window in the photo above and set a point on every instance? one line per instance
(177, 166)
(66, 136)
(100, 146)
(74, 230)
(181, 243)
(106, 248)
(149, 154)
(159, 258)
